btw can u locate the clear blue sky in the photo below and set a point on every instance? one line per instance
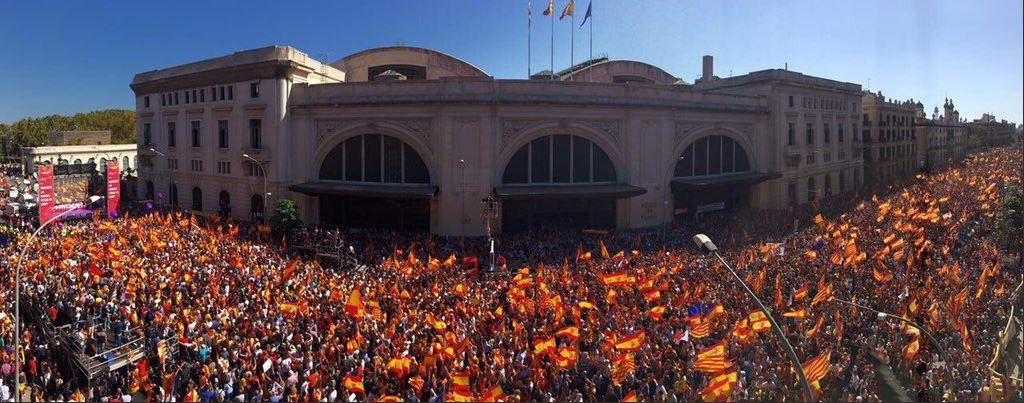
(70, 57)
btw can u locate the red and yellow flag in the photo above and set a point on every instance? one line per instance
(630, 397)
(460, 380)
(720, 386)
(354, 383)
(631, 343)
(354, 307)
(544, 346)
(617, 278)
(798, 314)
(571, 332)
(817, 367)
(495, 394)
(910, 351)
(759, 323)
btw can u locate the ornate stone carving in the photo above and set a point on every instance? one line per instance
(510, 129)
(612, 128)
(420, 127)
(683, 128)
(326, 127)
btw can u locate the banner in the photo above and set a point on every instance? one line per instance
(45, 173)
(113, 187)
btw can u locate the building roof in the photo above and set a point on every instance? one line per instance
(782, 76)
(79, 149)
(343, 62)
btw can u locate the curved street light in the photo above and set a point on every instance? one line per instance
(705, 243)
(884, 315)
(17, 295)
(266, 198)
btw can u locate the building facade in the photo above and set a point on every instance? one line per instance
(943, 138)
(78, 137)
(125, 154)
(891, 154)
(412, 138)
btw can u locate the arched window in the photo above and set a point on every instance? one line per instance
(62, 161)
(828, 185)
(712, 155)
(197, 199)
(256, 207)
(559, 159)
(78, 161)
(812, 192)
(174, 195)
(149, 190)
(374, 158)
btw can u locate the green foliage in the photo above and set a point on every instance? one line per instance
(1010, 221)
(286, 218)
(31, 132)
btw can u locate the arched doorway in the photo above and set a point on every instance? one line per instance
(173, 196)
(714, 173)
(256, 207)
(197, 199)
(560, 180)
(224, 203)
(373, 181)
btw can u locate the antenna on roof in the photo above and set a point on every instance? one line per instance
(787, 66)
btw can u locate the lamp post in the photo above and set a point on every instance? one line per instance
(17, 295)
(489, 210)
(266, 195)
(884, 315)
(705, 243)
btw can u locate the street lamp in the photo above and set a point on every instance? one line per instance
(266, 195)
(17, 295)
(884, 315)
(489, 210)
(705, 243)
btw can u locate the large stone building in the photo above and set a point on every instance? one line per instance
(78, 137)
(891, 152)
(412, 138)
(125, 154)
(942, 140)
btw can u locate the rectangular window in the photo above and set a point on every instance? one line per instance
(791, 134)
(252, 169)
(840, 133)
(196, 134)
(194, 99)
(372, 157)
(202, 95)
(827, 133)
(163, 99)
(254, 90)
(790, 101)
(186, 97)
(147, 134)
(562, 166)
(255, 137)
(222, 134)
(145, 101)
(176, 98)
(197, 165)
(231, 92)
(222, 93)
(540, 158)
(171, 137)
(213, 93)
(223, 167)
(810, 133)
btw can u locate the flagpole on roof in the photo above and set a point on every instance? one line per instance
(572, 37)
(590, 17)
(552, 13)
(529, 38)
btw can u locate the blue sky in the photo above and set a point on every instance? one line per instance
(73, 57)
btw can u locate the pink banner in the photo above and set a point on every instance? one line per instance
(45, 173)
(113, 188)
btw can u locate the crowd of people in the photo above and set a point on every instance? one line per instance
(569, 316)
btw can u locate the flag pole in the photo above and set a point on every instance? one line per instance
(572, 40)
(529, 39)
(590, 75)
(552, 43)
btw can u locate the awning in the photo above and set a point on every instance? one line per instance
(397, 191)
(606, 191)
(744, 179)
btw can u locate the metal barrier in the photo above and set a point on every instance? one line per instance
(1008, 335)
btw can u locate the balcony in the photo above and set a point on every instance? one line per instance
(261, 154)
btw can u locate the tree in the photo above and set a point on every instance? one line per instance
(286, 218)
(32, 132)
(1010, 222)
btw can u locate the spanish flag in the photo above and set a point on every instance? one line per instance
(571, 332)
(460, 396)
(289, 309)
(551, 8)
(910, 351)
(759, 322)
(631, 343)
(496, 394)
(460, 381)
(544, 346)
(613, 279)
(817, 367)
(656, 313)
(798, 314)
(567, 357)
(720, 386)
(354, 383)
(354, 307)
